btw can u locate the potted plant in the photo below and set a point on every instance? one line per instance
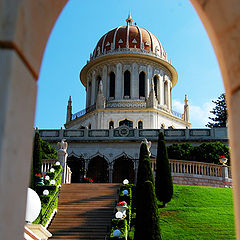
(122, 207)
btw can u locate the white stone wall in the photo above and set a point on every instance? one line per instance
(135, 66)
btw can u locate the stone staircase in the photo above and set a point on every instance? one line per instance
(84, 211)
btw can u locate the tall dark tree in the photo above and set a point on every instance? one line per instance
(220, 112)
(37, 158)
(147, 216)
(163, 179)
(144, 174)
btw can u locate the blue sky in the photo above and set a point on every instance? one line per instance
(82, 23)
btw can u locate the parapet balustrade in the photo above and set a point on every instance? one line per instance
(124, 104)
(47, 164)
(190, 168)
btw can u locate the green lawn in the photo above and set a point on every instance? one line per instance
(198, 213)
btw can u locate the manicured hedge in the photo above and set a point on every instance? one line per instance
(49, 202)
(124, 225)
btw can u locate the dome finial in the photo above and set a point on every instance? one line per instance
(129, 20)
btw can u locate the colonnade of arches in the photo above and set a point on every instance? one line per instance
(101, 171)
(160, 91)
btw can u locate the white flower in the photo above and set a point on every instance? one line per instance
(45, 192)
(125, 181)
(52, 182)
(47, 178)
(57, 163)
(52, 170)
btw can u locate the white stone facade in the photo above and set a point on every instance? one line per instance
(114, 105)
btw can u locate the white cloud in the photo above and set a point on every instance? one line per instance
(198, 114)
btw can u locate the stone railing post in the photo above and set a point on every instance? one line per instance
(225, 173)
(62, 158)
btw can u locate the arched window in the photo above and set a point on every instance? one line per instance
(111, 125)
(141, 84)
(97, 83)
(89, 126)
(127, 83)
(155, 81)
(89, 93)
(140, 125)
(126, 123)
(165, 92)
(112, 85)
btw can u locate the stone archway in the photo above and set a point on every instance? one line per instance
(77, 168)
(98, 170)
(123, 168)
(20, 64)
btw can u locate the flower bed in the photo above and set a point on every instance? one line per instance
(48, 194)
(126, 199)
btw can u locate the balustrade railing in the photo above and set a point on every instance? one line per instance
(47, 164)
(180, 167)
(84, 111)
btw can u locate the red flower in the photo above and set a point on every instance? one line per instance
(122, 203)
(222, 157)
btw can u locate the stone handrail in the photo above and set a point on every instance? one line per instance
(181, 167)
(47, 164)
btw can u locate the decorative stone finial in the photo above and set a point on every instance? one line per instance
(62, 145)
(129, 20)
(149, 144)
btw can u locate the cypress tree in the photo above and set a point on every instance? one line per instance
(147, 216)
(163, 179)
(144, 171)
(37, 157)
(144, 167)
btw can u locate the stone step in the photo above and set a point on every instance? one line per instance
(84, 211)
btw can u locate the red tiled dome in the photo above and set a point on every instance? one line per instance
(129, 37)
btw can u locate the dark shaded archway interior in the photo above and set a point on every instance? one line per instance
(77, 167)
(123, 168)
(98, 170)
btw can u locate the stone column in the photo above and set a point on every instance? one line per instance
(168, 95)
(118, 82)
(93, 90)
(148, 80)
(134, 82)
(136, 162)
(104, 81)
(161, 90)
(110, 172)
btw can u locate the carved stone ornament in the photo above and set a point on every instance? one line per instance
(123, 131)
(62, 145)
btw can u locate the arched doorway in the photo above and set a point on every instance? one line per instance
(98, 170)
(77, 167)
(123, 168)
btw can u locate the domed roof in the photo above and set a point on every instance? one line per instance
(129, 37)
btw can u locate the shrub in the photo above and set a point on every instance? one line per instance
(48, 152)
(147, 217)
(122, 226)
(163, 179)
